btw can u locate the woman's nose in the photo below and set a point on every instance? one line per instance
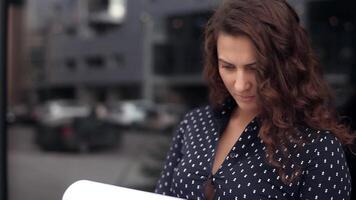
(242, 82)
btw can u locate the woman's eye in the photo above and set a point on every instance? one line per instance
(250, 68)
(227, 67)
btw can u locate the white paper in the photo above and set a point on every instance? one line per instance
(90, 190)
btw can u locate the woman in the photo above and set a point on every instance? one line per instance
(270, 132)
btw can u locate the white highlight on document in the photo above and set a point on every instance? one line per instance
(90, 190)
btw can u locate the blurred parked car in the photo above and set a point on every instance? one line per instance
(68, 125)
(141, 114)
(164, 117)
(128, 113)
(60, 111)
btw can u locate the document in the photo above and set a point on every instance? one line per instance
(90, 190)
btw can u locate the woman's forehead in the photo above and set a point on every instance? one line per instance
(238, 50)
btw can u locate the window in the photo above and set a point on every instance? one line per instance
(71, 64)
(119, 60)
(95, 62)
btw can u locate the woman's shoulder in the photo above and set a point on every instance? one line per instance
(204, 111)
(321, 143)
(318, 137)
(197, 116)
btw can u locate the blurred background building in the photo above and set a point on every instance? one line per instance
(100, 52)
(117, 49)
(108, 50)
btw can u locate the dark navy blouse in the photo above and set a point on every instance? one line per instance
(245, 173)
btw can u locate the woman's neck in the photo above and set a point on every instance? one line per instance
(244, 115)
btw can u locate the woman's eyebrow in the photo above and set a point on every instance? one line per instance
(249, 64)
(221, 60)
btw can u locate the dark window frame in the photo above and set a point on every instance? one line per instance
(4, 5)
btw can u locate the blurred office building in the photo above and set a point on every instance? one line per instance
(107, 50)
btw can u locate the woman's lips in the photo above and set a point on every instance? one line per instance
(246, 98)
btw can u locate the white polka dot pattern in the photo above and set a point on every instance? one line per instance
(245, 174)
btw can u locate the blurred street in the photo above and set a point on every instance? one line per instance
(37, 174)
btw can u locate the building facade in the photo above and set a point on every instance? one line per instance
(151, 49)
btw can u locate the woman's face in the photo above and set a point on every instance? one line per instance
(237, 69)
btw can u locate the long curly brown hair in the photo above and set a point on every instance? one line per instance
(290, 84)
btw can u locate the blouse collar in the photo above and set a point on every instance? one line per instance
(223, 111)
